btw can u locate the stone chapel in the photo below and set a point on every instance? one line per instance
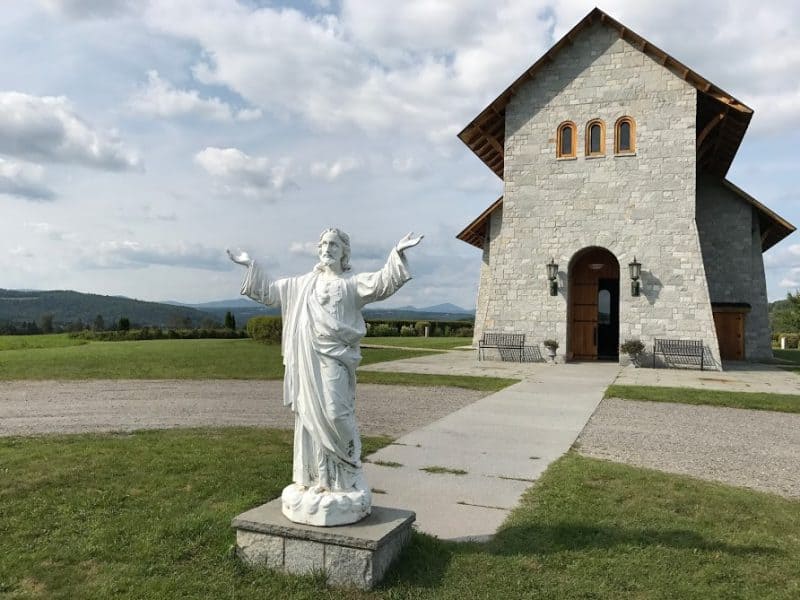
(616, 220)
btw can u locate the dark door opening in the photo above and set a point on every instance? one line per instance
(593, 308)
(608, 319)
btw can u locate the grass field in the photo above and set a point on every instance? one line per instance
(754, 400)
(146, 516)
(154, 359)
(436, 343)
(32, 342)
(792, 358)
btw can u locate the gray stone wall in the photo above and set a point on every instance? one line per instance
(642, 204)
(731, 242)
(485, 280)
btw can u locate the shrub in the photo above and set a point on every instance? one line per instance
(550, 345)
(420, 327)
(792, 340)
(464, 332)
(265, 329)
(408, 331)
(382, 330)
(632, 348)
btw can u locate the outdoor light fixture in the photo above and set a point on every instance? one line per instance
(636, 272)
(552, 273)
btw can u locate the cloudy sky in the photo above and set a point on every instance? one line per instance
(139, 139)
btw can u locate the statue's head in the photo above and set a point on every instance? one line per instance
(334, 245)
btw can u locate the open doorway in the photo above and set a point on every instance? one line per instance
(593, 311)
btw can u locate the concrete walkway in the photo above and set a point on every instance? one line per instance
(503, 442)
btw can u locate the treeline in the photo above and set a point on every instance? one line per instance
(270, 329)
(156, 333)
(74, 311)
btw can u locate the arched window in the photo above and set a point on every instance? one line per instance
(566, 140)
(595, 138)
(625, 136)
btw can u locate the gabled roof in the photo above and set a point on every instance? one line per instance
(773, 227)
(476, 232)
(721, 119)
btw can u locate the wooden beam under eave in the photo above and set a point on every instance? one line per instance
(492, 140)
(707, 129)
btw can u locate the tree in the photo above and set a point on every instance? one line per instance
(786, 319)
(124, 324)
(46, 323)
(230, 321)
(99, 323)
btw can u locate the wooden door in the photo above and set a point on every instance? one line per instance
(584, 320)
(586, 272)
(730, 334)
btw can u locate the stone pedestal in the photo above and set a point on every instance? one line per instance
(356, 555)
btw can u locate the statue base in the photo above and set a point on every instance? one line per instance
(323, 508)
(351, 556)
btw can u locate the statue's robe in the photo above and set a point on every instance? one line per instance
(322, 328)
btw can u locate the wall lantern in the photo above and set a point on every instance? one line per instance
(636, 272)
(552, 273)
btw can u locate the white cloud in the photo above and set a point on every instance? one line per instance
(161, 99)
(23, 180)
(379, 66)
(83, 9)
(131, 254)
(239, 173)
(46, 128)
(335, 169)
(47, 230)
(304, 248)
(21, 252)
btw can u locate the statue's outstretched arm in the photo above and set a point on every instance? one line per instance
(240, 257)
(409, 241)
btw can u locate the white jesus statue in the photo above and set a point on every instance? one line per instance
(322, 328)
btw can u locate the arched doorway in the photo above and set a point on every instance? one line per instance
(593, 313)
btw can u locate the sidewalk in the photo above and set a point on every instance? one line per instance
(503, 441)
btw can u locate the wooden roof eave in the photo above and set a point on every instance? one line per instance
(475, 233)
(774, 228)
(488, 117)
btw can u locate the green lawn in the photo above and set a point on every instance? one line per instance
(30, 342)
(483, 384)
(791, 356)
(437, 343)
(159, 359)
(146, 516)
(754, 400)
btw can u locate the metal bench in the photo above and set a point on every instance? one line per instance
(510, 345)
(681, 349)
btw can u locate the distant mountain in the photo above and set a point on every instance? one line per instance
(447, 307)
(18, 306)
(244, 308)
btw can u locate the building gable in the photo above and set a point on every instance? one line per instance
(721, 119)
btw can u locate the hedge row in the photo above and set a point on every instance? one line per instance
(155, 333)
(268, 329)
(792, 340)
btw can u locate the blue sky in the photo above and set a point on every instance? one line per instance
(139, 139)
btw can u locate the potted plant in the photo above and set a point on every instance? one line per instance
(552, 346)
(634, 349)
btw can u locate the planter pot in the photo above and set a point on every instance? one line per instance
(551, 354)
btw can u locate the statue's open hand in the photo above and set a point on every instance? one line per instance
(409, 241)
(240, 257)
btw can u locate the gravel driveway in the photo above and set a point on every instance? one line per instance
(751, 448)
(35, 407)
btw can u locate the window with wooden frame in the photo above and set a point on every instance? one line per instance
(625, 136)
(566, 140)
(595, 138)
